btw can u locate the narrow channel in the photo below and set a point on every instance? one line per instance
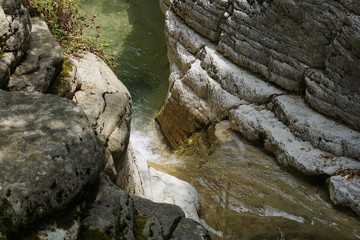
(244, 193)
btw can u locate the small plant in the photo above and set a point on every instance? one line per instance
(67, 26)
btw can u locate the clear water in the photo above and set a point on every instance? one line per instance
(244, 193)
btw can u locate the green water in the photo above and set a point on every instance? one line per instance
(244, 193)
(135, 30)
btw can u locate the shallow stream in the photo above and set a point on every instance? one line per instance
(244, 193)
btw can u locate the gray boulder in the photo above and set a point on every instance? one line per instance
(49, 153)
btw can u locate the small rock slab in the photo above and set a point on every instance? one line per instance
(345, 192)
(323, 132)
(257, 123)
(48, 154)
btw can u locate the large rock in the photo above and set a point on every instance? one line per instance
(107, 104)
(48, 154)
(41, 63)
(15, 28)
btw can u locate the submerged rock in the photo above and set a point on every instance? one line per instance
(49, 153)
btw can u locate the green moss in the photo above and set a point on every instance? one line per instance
(139, 225)
(198, 144)
(88, 234)
(63, 77)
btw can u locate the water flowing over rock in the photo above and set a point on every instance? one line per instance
(141, 180)
(48, 154)
(284, 72)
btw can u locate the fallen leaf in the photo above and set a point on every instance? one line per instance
(347, 176)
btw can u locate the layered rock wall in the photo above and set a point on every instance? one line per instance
(285, 73)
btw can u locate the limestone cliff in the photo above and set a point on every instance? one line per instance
(285, 73)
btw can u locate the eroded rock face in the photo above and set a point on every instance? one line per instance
(15, 28)
(107, 104)
(48, 154)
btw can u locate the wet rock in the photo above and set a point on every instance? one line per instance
(15, 28)
(345, 192)
(323, 132)
(130, 176)
(140, 179)
(49, 153)
(41, 63)
(110, 213)
(106, 102)
(260, 124)
(185, 110)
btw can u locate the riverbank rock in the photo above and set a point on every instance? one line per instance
(49, 154)
(106, 102)
(41, 62)
(283, 77)
(15, 27)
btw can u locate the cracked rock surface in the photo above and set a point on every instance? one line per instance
(106, 102)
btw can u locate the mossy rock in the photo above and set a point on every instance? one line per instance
(139, 226)
(199, 144)
(58, 86)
